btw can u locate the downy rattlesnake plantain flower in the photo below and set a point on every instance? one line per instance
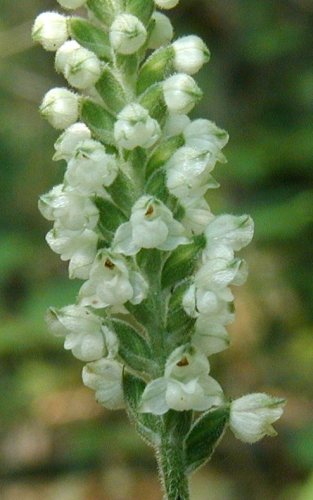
(132, 219)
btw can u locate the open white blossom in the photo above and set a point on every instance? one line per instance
(181, 93)
(151, 225)
(252, 416)
(228, 233)
(127, 34)
(210, 338)
(191, 54)
(186, 385)
(50, 30)
(134, 127)
(188, 172)
(60, 107)
(197, 215)
(162, 31)
(205, 135)
(68, 141)
(91, 168)
(79, 247)
(84, 333)
(80, 66)
(69, 208)
(105, 377)
(112, 283)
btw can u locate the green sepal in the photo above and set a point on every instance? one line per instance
(204, 436)
(127, 66)
(156, 68)
(163, 153)
(156, 185)
(105, 10)
(111, 90)
(179, 324)
(99, 120)
(133, 348)
(110, 216)
(153, 101)
(147, 425)
(123, 192)
(143, 9)
(90, 37)
(182, 261)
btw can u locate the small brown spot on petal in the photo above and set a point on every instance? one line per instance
(109, 264)
(150, 210)
(183, 362)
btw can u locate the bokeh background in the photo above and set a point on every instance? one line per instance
(55, 442)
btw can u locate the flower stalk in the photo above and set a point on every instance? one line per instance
(132, 218)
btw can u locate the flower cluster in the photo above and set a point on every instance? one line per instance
(132, 216)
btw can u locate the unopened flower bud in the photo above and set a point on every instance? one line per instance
(166, 4)
(181, 93)
(50, 30)
(68, 141)
(134, 127)
(80, 66)
(162, 32)
(191, 54)
(127, 34)
(252, 416)
(71, 4)
(60, 107)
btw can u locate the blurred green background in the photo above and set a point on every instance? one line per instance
(55, 442)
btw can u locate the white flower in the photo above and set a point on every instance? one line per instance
(197, 215)
(71, 4)
(210, 338)
(175, 124)
(186, 385)
(162, 31)
(191, 54)
(218, 272)
(188, 172)
(203, 301)
(60, 107)
(127, 34)
(105, 377)
(80, 66)
(79, 247)
(151, 225)
(181, 93)
(134, 127)
(252, 416)
(112, 283)
(228, 231)
(166, 4)
(205, 135)
(85, 335)
(91, 168)
(68, 141)
(50, 30)
(69, 208)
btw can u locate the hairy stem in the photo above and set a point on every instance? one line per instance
(170, 458)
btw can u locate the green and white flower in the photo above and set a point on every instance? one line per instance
(127, 34)
(91, 168)
(151, 225)
(191, 54)
(181, 93)
(112, 283)
(50, 30)
(105, 378)
(60, 108)
(252, 416)
(134, 127)
(68, 141)
(80, 66)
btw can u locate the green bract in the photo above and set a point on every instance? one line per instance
(133, 219)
